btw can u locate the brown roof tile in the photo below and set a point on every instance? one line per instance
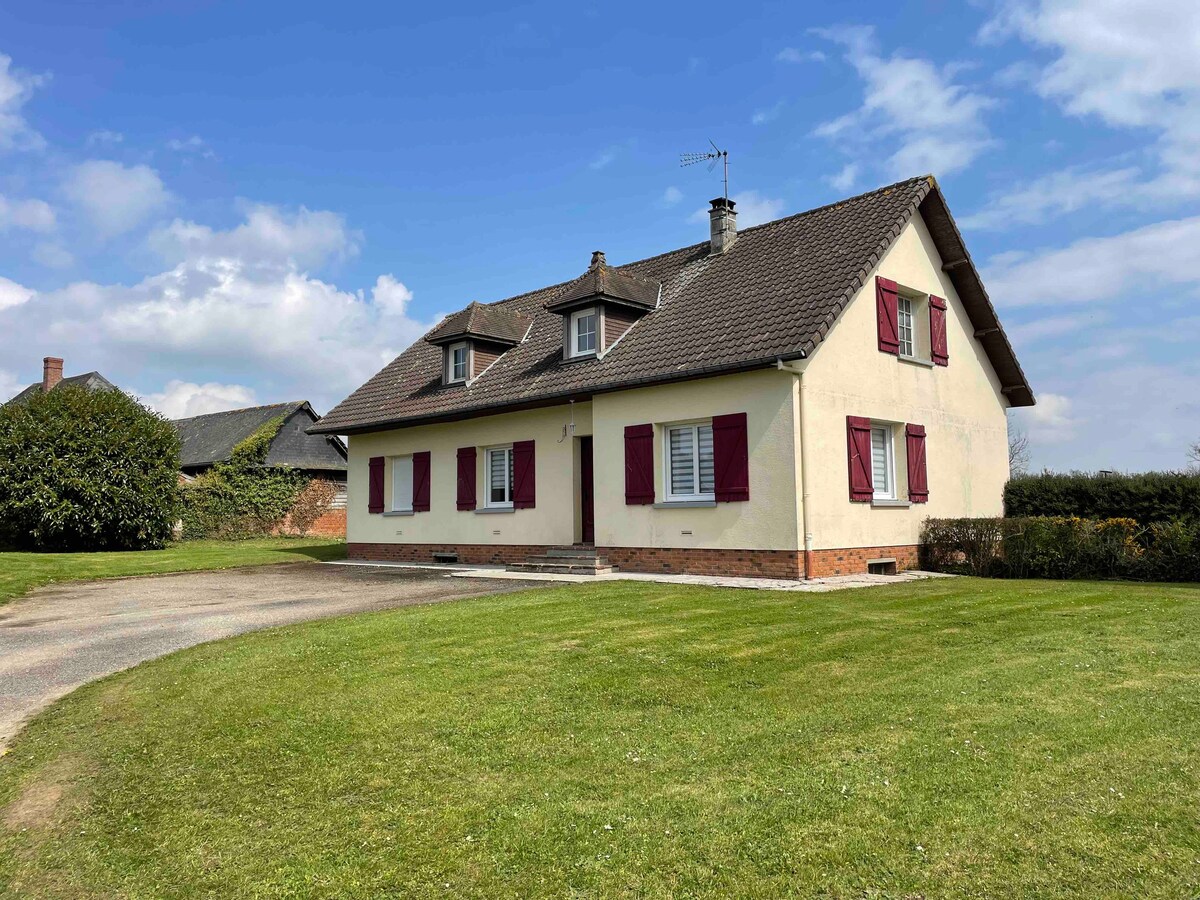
(775, 294)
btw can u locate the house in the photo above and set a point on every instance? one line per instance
(52, 377)
(788, 401)
(210, 439)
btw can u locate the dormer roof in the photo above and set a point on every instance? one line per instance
(602, 282)
(482, 322)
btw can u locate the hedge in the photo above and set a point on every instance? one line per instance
(86, 470)
(1062, 547)
(1148, 498)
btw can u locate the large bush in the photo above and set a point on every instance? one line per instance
(1148, 498)
(1062, 547)
(242, 497)
(86, 470)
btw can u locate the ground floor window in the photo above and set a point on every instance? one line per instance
(883, 467)
(499, 462)
(402, 484)
(688, 454)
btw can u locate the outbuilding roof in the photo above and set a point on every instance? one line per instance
(208, 439)
(773, 295)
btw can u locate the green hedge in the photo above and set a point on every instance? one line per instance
(1148, 498)
(86, 470)
(1062, 547)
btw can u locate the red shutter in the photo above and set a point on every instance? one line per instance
(523, 475)
(885, 312)
(918, 477)
(731, 458)
(937, 331)
(858, 441)
(639, 465)
(375, 485)
(421, 481)
(466, 477)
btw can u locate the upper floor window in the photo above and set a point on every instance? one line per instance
(688, 455)
(499, 467)
(584, 325)
(883, 465)
(458, 362)
(904, 316)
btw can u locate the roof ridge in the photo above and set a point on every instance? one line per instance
(225, 412)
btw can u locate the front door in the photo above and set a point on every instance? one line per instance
(587, 492)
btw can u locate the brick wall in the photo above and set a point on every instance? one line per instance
(331, 524)
(670, 560)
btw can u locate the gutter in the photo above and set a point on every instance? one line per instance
(798, 371)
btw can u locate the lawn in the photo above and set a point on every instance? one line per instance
(21, 572)
(946, 738)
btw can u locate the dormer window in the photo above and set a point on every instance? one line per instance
(584, 330)
(458, 362)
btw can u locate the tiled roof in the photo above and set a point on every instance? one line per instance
(774, 294)
(493, 322)
(210, 438)
(602, 280)
(93, 381)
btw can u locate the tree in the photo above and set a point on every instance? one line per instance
(1018, 450)
(1194, 455)
(86, 470)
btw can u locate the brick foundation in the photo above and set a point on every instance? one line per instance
(670, 560)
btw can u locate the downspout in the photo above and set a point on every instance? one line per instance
(804, 495)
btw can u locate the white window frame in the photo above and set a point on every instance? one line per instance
(904, 309)
(488, 502)
(395, 493)
(465, 346)
(697, 496)
(889, 453)
(573, 341)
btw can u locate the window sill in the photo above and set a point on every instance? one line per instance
(916, 361)
(493, 510)
(890, 504)
(401, 512)
(580, 357)
(686, 504)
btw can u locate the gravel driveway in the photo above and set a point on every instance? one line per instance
(60, 637)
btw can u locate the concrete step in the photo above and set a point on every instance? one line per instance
(554, 559)
(572, 552)
(561, 567)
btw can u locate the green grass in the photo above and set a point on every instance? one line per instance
(21, 572)
(953, 738)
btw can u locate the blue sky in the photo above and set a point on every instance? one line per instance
(217, 204)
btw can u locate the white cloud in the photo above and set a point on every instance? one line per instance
(936, 124)
(184, 399)
(768, 114)
(194, 145)
(752, 209)
(1129, 65)
(793, 55)
(1058, 193)
(52, 255)
(307, 238)
(115, 198)
(1097, 270)
(31, 215)
(104, 137)
(16, 87)
(1056, 326)
(844, 179)
(672, 196)
(1051, 420)
(10, 385)
(13, 294)
(390, 296)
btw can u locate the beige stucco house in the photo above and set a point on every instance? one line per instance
(789, 401)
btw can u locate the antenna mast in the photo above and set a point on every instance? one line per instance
(690, 159)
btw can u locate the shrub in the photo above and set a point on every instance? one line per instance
(86, 470)
(1062, 547)
(1147, 498)
(242, 497)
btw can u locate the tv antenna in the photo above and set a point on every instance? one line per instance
(690, 159)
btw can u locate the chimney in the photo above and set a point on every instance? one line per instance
(722, 225)
(51, 372)
(598, 260)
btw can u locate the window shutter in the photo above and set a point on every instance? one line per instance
(731, 458)
(918, 477)
(466, 478)
(858, 441)
(639, 465)
(421, 481)
(885, 312)
(523, 475)
(375, 485)
(937, 331)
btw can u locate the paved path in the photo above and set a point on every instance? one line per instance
(58, 638)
